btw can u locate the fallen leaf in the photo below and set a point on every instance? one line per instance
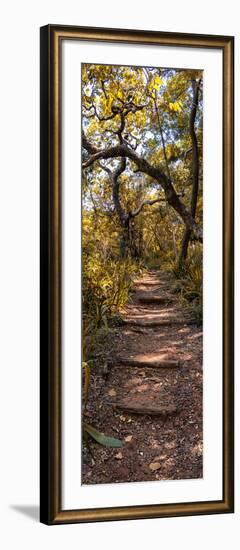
(119, 456)
(154, 466)
(128, 438)
(112, 393)
(100, 437)
(123, 418)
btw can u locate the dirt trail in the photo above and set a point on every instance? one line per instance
(151, 397)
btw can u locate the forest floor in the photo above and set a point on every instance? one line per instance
(150, 396)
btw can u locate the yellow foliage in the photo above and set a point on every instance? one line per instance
(177, 106)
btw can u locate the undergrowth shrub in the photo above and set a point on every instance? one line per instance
(189, 281)
(106, 285)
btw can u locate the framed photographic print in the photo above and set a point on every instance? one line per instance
(136, 274)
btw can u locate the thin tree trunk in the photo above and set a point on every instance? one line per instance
(162, 138)
(174, 244)
(195, 174)
(124, 240)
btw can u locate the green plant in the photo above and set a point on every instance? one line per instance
(106, 286)
(188, 282)
(89, 430)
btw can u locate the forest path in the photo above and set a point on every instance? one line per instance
(152, 396)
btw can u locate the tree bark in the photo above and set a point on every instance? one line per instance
(124, 244)
(195, 175)
(129, 237)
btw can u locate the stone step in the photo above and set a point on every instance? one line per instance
(154, 323)
(144, 407)
(151, 360)
(154, 299)
(138, 330)
(155, 289)
(148, 283)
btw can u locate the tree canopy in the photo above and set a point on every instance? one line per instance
(143, 122)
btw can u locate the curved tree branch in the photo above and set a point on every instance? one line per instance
(123, 150)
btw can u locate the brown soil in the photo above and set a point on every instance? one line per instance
(150, 395)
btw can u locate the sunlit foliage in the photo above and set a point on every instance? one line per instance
(129, 221)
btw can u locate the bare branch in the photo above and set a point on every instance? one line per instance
(101, 119)
(145, 203)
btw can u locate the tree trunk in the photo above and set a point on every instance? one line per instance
(124, 239)
(134, 242)
(195, 175)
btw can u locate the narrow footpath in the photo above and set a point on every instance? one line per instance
(150, 395)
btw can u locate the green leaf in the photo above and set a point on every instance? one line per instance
(101, 437)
